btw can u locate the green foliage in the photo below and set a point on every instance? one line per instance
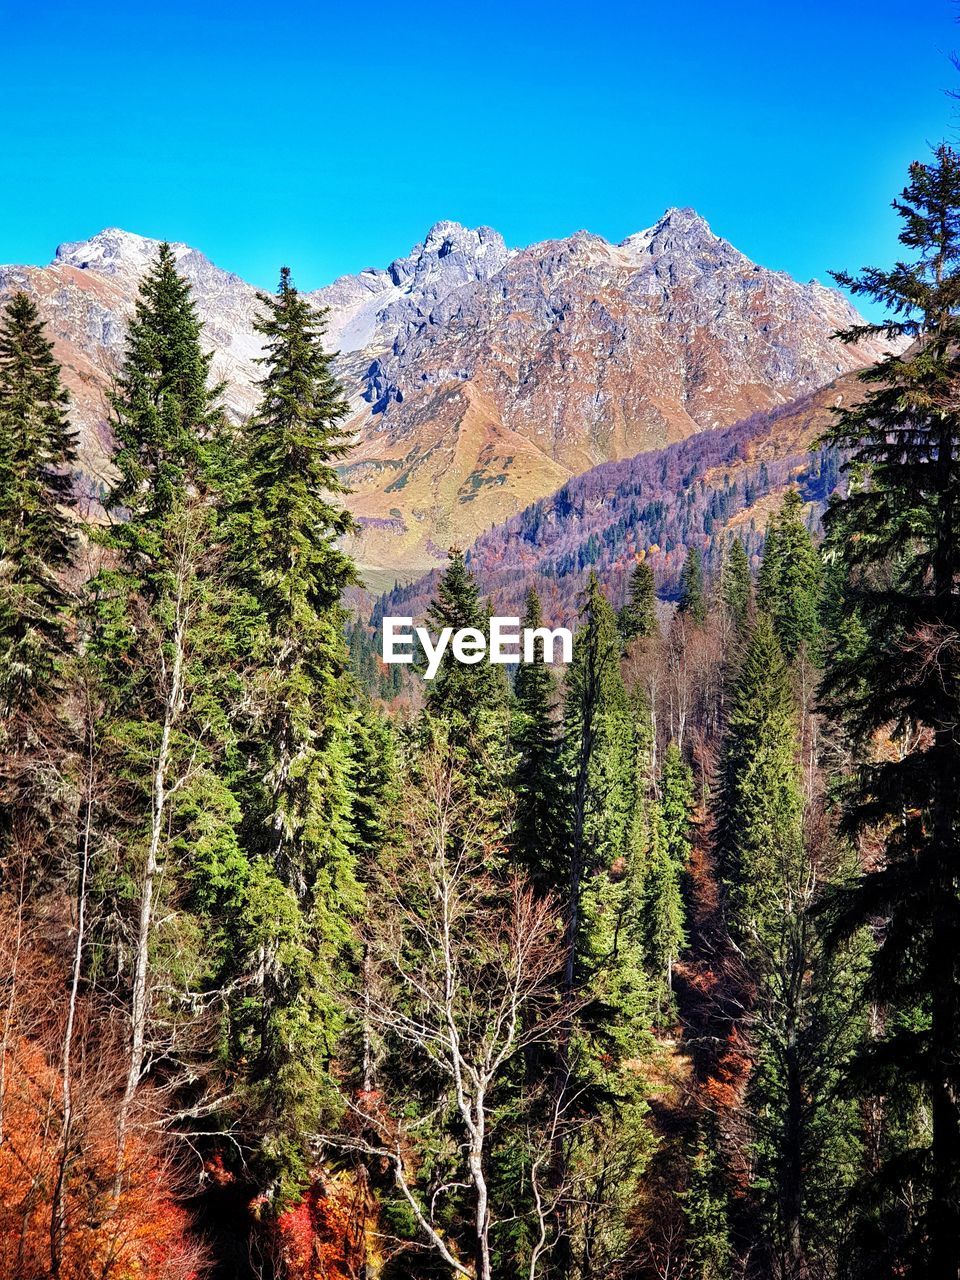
(468, 706)
(164, 413)
(37, 541)
(606, 944)
(538, 839)
(460, 690)
(155, 636)
(736, 586)
(809, 1023)
(693, 596)
(666, 862)
(298, 790)
(638, 617)
(790, 584)
(760, 813)
(598, 739)
(320, 938)
(895, 673)
(706, 1206)
(805, 1005)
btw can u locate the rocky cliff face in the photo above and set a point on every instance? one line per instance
(481, 377)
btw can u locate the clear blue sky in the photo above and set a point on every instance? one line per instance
(331, 137)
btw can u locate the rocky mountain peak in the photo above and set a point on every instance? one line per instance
(683, 236)
(125, 256)
(110, 252)
(453, 254)
(482, 377)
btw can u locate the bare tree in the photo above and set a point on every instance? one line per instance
(463, 976)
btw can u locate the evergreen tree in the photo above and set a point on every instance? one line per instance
(37, 541)
(538, 827)
(461, 689)
(468, 704)
(790, 584)
(606, 945)
(736, 588)
(806, 1026)
(803, 1008)
(693, 595)
(164, 411)
(297, 794)
(638, 617)
(760, 811)
(164, 661)
(897, 535)
(668, 857)
(597, 755)
(706, 1206)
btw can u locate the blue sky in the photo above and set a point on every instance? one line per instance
(331, 137)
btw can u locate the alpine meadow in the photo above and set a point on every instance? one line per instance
(358, 923)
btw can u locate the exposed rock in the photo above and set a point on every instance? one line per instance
(480, 377)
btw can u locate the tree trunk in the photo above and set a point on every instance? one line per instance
(140, 995)
(58, 1217)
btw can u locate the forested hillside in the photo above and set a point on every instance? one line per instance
(700, 493)
(645, 968)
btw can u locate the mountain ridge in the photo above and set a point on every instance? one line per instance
(698, 492)
(480, 377)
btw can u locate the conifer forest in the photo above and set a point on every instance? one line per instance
(642, 967)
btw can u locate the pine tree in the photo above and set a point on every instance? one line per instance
(638, 617)
(693, 596)
(163, 659)
(897, 534)
(298, 793)
(667, 860)
(164, 411)
(37, 541)
(597, 755)
(802, 1007)
(759, 817)
(790, 584)
(706, 1206)
(736, 587)
(606, 945)
(538, 828)
(461, 689)
(468, 704)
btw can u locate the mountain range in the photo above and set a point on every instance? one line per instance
(698, 492)
(483, 378)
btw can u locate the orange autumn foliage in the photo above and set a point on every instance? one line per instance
(326, 1235)
(142, 1235)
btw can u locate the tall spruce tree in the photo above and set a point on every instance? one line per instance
(297, 792)
(468, 704)
(638, 617)
(706, 1205)
(37, 540)
(693, 596)
(790, 585)
(802, 1006)
(736, 587)
(538, 839)
(760, 808)
(163, 658)
(897, 534)
(663, 909)
(597, 756)
(606, 944)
